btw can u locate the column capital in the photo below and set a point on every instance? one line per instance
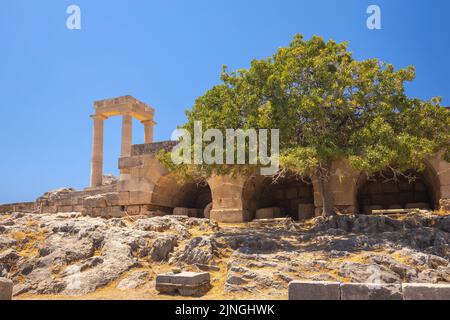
(99, 117)
(148, 122)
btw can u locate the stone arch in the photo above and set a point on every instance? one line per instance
(379, 193)
(187, 198)
(288, 196)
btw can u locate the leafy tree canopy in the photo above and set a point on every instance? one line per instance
(328, 106)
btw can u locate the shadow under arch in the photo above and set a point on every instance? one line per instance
(169, 194)
(379, 192)
(294, 196)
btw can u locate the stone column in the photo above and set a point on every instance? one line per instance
(227, 199)
(97, 152)
(127, 135)
(148, 130)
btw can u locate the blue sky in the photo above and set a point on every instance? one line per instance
(166, 53)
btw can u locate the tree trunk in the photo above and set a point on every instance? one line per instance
(327, 197)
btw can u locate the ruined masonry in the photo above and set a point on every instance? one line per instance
(145, 187)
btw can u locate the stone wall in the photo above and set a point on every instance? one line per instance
(19, 207)
(69, 200)
(313, 290)
(147, 187)
(152, 148)
(376, 194)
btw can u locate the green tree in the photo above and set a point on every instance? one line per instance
(328, 106)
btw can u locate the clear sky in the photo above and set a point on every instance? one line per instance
(166, 53)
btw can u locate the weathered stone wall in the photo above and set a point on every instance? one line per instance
(152, 148)
(376, 194)
(19, 207)
(69, 200)
(323, 290)
(146, 187)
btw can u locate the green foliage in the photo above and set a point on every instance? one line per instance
(327, 106)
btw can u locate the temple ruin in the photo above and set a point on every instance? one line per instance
(146, 187)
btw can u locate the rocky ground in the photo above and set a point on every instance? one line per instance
(68, 255)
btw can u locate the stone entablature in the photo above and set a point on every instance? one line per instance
(120, 105)
(152, 148)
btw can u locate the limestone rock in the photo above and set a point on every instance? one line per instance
(367, 273)
(200, 251)
(162, 247)
(135, 280)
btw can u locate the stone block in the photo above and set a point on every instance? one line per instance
(100, 212)
(305, 211)
(49, 209)
(139, 197)
(130, 162)
(184, 283)
(229, 215)
(68, 201)
(426, 291)
(445, 191)
(6, 289)
(314, 290)
(371, 291)
(112, 199)
(78, 208)
(418, 205)
(188, 212)
(124, 198)
(133, 210)
(116, 212)
(268, 213)
(65, 209)
(97, 201)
